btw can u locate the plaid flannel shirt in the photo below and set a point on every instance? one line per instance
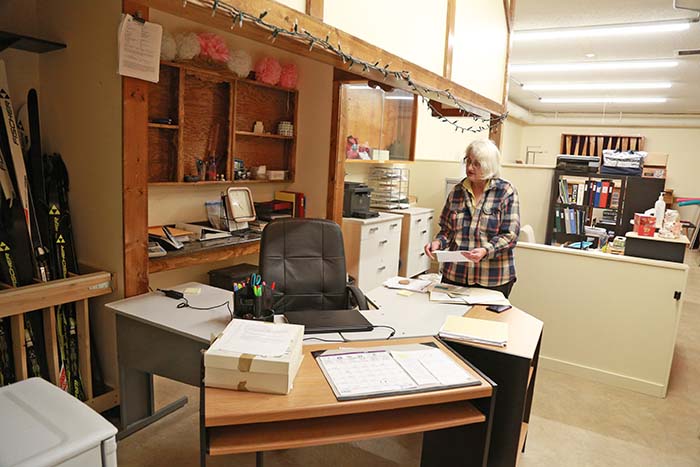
(493, 224)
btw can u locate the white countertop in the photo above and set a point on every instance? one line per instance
(413, 210)
(383, 217)
(682, 239)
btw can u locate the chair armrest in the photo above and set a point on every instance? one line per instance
(356, 294)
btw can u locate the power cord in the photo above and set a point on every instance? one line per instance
(345, 339)
(177, 295)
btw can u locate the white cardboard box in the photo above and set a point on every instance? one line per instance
(228, 365)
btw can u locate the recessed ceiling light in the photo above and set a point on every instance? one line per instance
(601, 31)
(590, 55)
(603, 100)
(399, 98)
(593, 86)
(593, 66)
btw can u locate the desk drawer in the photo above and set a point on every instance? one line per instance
(375, 270)
(380, 229)
(421, 231)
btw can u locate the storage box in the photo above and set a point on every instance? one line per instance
(276, 174)
(225, 277)
(644, 225)
(653, 172)
(233, 363)
(657, 159)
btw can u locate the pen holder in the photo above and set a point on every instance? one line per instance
(247, 306)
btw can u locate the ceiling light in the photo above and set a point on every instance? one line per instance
(601, 31)
(594, 66)
(603, 100)
(590, 55)
(593, 86)
(399, 98)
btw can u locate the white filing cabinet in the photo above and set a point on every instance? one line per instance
(45, 426)
(372, 248)
(416, 231)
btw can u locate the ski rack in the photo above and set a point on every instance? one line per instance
(45, 296)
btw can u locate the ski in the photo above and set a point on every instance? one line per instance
(19, 260)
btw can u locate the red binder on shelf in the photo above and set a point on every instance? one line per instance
(297, 199)
(604, 193)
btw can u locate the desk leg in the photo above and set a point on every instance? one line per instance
(458, 446)
(259, 459)
(137, 408)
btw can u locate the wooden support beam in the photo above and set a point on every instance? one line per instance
(336, 164)
(51, 343)
(286, 17)
(506, 12)
(82, 322)
(449, 39)
(135, 175)
(18, 348)
(315, 8)
(509, 11)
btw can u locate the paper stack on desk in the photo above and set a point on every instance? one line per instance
(414, 285)
(479, 331)
(255, 356)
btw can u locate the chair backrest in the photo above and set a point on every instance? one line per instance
(527, 234)
(306, 260)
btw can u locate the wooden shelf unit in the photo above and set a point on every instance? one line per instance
(46, 296)
(214, 108)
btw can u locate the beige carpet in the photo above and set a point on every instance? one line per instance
(574, 422)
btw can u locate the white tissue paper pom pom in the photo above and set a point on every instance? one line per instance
(168, 47)
(240, 63)
(187, 46)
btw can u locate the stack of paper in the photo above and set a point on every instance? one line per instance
(480, 331)
(442, 297)
(414, 285)
(255, 356)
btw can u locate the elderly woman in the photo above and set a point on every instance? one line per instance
(481, 217)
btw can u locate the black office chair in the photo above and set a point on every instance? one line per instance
(305, 258)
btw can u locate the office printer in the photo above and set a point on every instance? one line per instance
(356, 201)
(580, 164)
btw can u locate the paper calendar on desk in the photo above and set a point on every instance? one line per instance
(374, 372)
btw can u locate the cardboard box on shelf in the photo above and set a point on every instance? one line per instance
(644, 225)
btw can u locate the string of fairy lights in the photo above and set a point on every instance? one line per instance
(427, 94)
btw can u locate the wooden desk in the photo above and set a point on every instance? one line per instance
(513, 368)
(237, 422)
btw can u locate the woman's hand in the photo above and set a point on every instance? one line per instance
(475, 255)
(430, 247)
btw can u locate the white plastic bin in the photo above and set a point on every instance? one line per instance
(40, 425)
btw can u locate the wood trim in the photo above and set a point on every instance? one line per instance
(449, 38)
(414, 130)
(341, 429)
(509, 11)
(46, 294)
(105, 401)
(336, 164)
(315, 8)
(496, 134)
(282, 15)
(51, 343)
(82, 317)
(202, 257)
(135, 175)
(18, 347)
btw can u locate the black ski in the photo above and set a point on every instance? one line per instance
(18, 259)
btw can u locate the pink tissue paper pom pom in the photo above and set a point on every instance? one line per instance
(288, 78)
(268, 70)
(213, 47)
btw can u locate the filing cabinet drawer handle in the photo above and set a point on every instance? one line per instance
(384, 242)
(393, 226)
(424, 232)
(423, 254)
(430, 218)
(381, 268)
(373, 229)
(419, 220)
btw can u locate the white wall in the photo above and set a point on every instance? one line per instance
(681, 143)
(81, 113)
(511, 143)
(479, 54)
(534, 188)
(412, 29)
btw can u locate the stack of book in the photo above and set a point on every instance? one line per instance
(595, 193)
(255, 356)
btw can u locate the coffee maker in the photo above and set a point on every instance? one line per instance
(356, 201)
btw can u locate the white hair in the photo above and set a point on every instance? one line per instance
(487, 154)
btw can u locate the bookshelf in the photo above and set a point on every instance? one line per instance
(598, 200)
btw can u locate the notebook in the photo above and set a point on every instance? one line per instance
(480, 331)
(319, 321)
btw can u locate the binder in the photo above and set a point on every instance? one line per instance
(604, 193)
(557, 220)
(297, 199)
(598, 188)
